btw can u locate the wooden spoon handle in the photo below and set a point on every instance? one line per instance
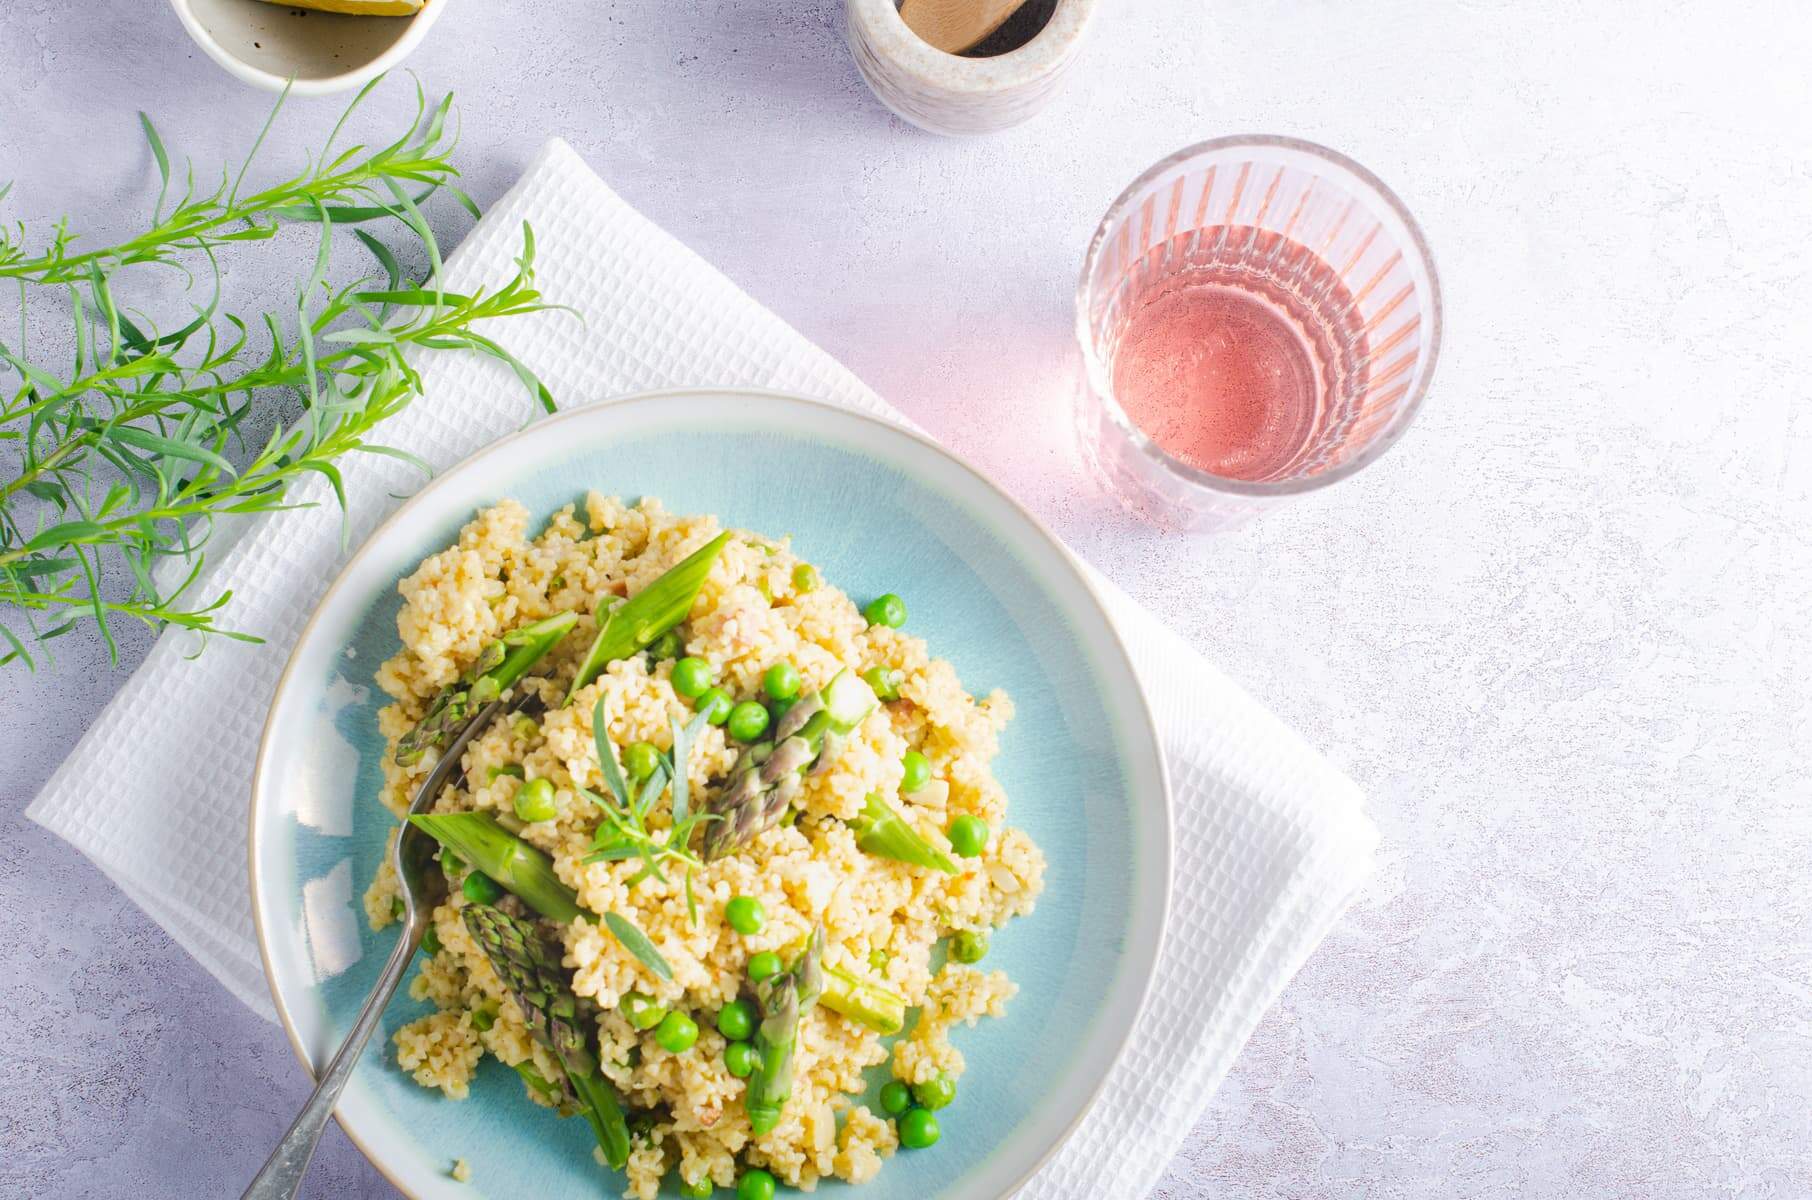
(953, 26)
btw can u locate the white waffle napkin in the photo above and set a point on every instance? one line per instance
(1271, 842)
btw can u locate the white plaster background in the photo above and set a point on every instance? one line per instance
(1562, 633)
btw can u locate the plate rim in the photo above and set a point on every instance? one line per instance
(1147, 722)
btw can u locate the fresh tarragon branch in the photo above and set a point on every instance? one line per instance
(623, 833)
(131, 454)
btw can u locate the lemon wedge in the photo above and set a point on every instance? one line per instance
(358, 8)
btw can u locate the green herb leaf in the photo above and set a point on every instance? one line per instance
(163, 163)
(67, 533)
(684, 737)
(615, 852)
(171, 447)
(652, 788)
(637, 943)
(607, 756)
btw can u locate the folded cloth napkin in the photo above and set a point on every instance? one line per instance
(1271, 842)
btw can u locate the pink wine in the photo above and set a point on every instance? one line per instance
(1244, 355)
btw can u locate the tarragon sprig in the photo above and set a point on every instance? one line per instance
(623, 832)
(353, 185)
(131, 454)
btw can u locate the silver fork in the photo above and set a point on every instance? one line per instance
(423, 884)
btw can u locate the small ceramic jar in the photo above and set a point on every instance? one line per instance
(948, 93)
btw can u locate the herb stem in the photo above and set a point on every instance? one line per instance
(60, 454)
(190, 225)
(148, 615)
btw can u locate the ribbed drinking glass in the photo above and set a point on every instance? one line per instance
(1259, 317)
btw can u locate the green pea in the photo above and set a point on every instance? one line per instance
(765, 965)
(916, 771)
(935, 1093)
(676, 1033)
(430, 942)
(736, 1020)
(741, 1059)
(968, 835)
(747, 721)
(535, 800)
(668, 645)
(715, 704)
(745, 914)
(480, 888)
(805, 578)
(968, 946)
(691, 676)
(781, 681)
(697, 1189)
(878, 959)
(450, 862)
(886, 683)
(642, 1011)
(640, 759)
(525, 727)
(896, 1098)
(888, 610)
(755, 1184)
(918, 1129)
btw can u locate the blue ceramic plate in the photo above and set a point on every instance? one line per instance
(877, 509)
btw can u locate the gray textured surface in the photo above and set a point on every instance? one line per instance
(1562, 633)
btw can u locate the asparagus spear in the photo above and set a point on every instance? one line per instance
(768, 776)
(863, 1001)
(631, 626)
(530, 968)
(518, 867)
(500, 665)
(784, 1000)
(537, 1080)
(883, 832)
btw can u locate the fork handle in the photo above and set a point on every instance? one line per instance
(282, 1175)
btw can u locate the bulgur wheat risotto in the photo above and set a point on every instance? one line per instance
(700, 867)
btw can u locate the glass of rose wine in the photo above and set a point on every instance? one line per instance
(1259, 317)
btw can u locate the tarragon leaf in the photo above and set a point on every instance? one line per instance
(637, 943)
(612, 852)
(651, 791)
(607, 756)
(683, 740)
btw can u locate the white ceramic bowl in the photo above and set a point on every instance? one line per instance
(268, 44)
